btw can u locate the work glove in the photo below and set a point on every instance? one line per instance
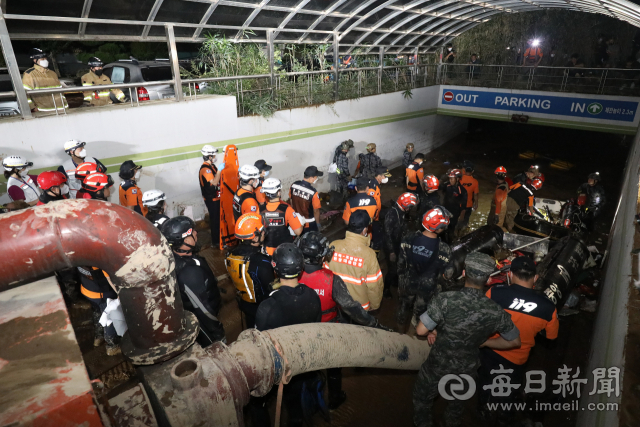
(220, 166)
(384, 328)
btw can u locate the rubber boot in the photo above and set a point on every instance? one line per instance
(113, 348)
(98, 330)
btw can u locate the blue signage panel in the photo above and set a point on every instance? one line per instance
(605, 109)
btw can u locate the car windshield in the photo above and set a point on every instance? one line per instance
(153, 74)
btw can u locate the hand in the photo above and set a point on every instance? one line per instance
(392, 257)
(431, 337)
(221, 166)
(475, 206)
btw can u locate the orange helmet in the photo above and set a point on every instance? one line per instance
(435, 220)
(500, 170)
(96, 181)
(249, 226)
(536, 183)
(406, 200)
(453, 173)
(85, 169)
(431, 182)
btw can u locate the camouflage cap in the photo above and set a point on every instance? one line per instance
(478, 264)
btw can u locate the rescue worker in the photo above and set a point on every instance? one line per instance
(156, 202)
(209, 178)
(264, 169)
(244, 201)
(249, 266)
(455, 200)
(394, 229)
(342, 162)
(54, 187)
(527, 176)
(130, 193)
(41, 77)
(20, 185)
(291, 304)
(498, 209)
(533, 313)
(456, 324)
(82, 171)
(471, 185)
(421, 261)
(361, 201)
(77, 155)
(95, 186)
(377, 229)
(334, 300)
(415, 174)
(305, 199)
(533, 55)
(356, 263)
(429, 198)
(278, 217)
(96, 288)
(95, 77)
(368, 163)
(596, 198)
(197, 283)
(520, 197)
(407, 159)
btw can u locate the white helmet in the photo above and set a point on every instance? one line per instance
(153, 197)
(249, 172)
(72, 144)
(15, 162)
(209, 150)
(271, 186)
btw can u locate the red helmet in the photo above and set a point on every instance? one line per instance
(536, 183)
(500, 170)
(455, 173)
(406, 200)
(49, 179)
(582, 200)
(431, 182)
(85, 169)
(541, 176)
(96, 181)
(435, 220)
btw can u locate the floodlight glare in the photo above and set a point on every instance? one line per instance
(535, 42)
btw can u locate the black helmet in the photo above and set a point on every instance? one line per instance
(314, 247)
(95, 62)
(595, 176)
(176, 230)
(128, 169)
(287, 261)
(468, 165)
(36, 53)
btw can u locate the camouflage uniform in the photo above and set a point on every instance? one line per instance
(418, 283)
(406, 159)
(394, 229)
(368, 164)
(464, 320)
(342, 161)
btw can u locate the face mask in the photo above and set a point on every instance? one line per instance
(24, 172)
(44, 63)
(449, 49)
(266, 174)
(384, 180)
(98, 72)
(316, 180)
(64, 189)
(137, 175)
(255, 183)
(82, 154)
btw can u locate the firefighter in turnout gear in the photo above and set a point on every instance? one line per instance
(244, 201)
(368, 163)
(130, 194)
(77, 155)
(197, 283)
(278, 217)
(357, 264)
(361, 201)
(422, 259)
(41, 77)
(20, 185)
(95, 77)
(342, 162)
(498, 209)
(249, 266)
(209, 178)
(156, 202)
(394, 229)
(305, 200)
(265, 170)
(334, 298)
(520, 197)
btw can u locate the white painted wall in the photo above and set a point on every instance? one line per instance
(114, 134)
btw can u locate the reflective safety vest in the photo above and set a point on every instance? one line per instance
(321, 281)
(28, 187)
(237, 266)
(412, 173)
(302, 199)
(100, 97)
(238, 201)
(276, 227)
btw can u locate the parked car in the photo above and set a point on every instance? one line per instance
(134, 71)
(8, 105)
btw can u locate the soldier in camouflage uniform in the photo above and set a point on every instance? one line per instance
(457, 324)
(406, 156)
(342, 162)
(422, 260)
(368, 163)
(394, 229)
